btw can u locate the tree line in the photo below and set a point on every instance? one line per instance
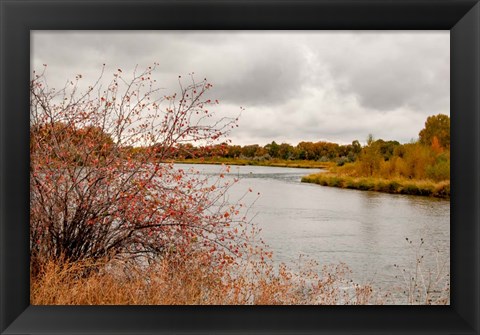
(426, 158)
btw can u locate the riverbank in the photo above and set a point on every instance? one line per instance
(393, 186)
(305, 164)
(196, 279)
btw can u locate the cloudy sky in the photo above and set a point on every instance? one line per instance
(294, 86)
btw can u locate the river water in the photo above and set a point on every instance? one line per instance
(366, 230)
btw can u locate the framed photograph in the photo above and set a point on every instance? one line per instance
(185, 161)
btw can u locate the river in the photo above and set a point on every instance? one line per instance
(366, 230)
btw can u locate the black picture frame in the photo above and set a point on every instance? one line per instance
(19, 17)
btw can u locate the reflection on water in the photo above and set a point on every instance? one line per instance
(365, 230)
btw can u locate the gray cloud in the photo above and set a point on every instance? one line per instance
(267, 75)
(295, 86)
(390, 70)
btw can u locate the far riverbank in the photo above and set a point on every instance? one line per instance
(303, 164)
(330, 178)
(393, 186)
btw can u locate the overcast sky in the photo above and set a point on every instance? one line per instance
(294, 86)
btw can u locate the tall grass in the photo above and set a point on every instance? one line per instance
(194, 281)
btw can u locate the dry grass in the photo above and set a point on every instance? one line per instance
(193, 281)
(394, 185)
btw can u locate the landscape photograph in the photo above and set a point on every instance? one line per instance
(240, 167)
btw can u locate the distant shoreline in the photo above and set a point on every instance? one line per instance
(303, 164)
(392, 186)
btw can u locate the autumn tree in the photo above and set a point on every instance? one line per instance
(436, 147)
(99, 186)
(250, 150)
(370, 157)
(234, 151)
(285, 151)
(436, 126)
(306, 150)
(417, 159)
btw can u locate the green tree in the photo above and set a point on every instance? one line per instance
(386, 148)
(356, 146)
(272, 149)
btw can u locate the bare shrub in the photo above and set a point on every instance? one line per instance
(100, 182)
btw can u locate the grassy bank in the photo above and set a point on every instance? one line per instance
(307, 164)
(394, 186)
(194, 280)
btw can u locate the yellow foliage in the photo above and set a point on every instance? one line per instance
(410, 161)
